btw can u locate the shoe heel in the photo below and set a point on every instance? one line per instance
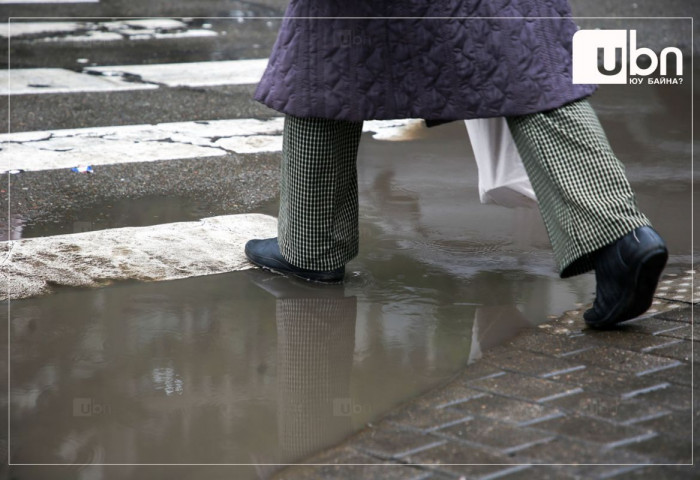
(647, 280)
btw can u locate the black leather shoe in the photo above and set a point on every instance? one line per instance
(266, 254)
(626, 274)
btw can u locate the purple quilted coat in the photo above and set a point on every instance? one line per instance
(381, 59)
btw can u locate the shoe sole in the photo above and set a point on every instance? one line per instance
(296, 275)
(287, 273)
(646, 278)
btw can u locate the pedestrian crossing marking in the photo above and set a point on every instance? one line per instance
(12, 2)
(24, 81)
(132, 29)
(55, 149)
(68, 148)
(155, 253)
(58, 80)
(192, 74)
(20, 29)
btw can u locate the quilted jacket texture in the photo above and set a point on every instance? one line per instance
(437, 60)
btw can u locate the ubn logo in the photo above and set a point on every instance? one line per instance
(87, 407)
(590, 45)
(345, 407)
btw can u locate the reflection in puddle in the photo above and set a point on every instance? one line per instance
(494, 326)
(248, 367)
(17, 224)
(315, 345)
(166, 380)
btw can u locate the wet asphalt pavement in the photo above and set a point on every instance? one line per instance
(245, 368)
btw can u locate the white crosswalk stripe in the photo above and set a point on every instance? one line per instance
(121, 77)
(21, 28)
(12, 2)
(192, 74)
(24, 29)
(72, 31)
(54, 149)
(155, 253)
(58, 80)
(33, 151)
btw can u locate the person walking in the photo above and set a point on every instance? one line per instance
(336, 64)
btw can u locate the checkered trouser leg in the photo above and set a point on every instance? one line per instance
(585, 199)
(318, 219)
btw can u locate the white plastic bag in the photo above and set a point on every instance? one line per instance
(502, 176)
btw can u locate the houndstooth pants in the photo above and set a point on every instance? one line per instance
(584, 197)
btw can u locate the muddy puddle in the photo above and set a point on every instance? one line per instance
(140, 212)
(249, 368)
